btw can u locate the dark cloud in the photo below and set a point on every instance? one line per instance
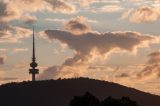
(61, 6)
(89, 45)
(7, 13)
(30, 19)
(123, 75)
(2, 59)
(86, 44)
(153, 66)
(16, 9)
(77, 25)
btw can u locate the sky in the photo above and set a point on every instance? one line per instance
(112, 40)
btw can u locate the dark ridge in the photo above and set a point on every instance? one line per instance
(60, 92)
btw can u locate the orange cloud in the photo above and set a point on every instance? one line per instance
(101, 43)
(17, 50)
(29, 19)
(15, 9)
(142, 14)
(153, 66)
(88, 46)
(14, 34)
(60, 6)
(8, 12)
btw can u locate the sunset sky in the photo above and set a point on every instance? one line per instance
(112, 40)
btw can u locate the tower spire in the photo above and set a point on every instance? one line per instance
(33, 64)
(33, 56)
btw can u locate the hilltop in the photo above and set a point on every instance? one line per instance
(60, 92)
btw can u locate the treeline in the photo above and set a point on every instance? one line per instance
(89, 100)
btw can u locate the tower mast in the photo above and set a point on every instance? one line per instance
(33, 64)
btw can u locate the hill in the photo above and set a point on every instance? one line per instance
(60, 92)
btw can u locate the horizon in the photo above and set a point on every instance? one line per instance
(111, 40)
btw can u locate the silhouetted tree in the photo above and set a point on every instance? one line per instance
(110, 102)
(90, 100)
(86, 100)
(125, 101)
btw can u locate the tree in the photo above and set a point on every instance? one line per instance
(86, 100)
(90, 100)
(124, 101)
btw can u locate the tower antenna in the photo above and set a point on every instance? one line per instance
(33, 64)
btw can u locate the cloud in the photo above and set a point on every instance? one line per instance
(154, 57)
(108, 9)
(4, 35)
(143, 14)
(123, 75)
(87, 3)
(16, 9)
(77, 25)
(63, 21)
(49, 73)
(97, 6)
(3, 50)
(8, 78)
(7, 12)
(55, 20)
(29, 19)
(89, 46)
(56, 72)
(22, 32)
(2, 59)
(60, 6)
(40, 5)
(152, 68)
(4, 79)
(17, 50)
(101, 43)
(14, 34)
(21, 65)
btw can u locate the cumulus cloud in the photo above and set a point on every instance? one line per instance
(49, 5)
(77, 25)
(22, 32)
(63, 71)
(29, 19)
(101, 42)
(49, 73)
(7, 12)
(143, 14)
(5, 35)
(90, 45)
(60, 6)
(16, 9)
(14, 34)
(153, 66)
